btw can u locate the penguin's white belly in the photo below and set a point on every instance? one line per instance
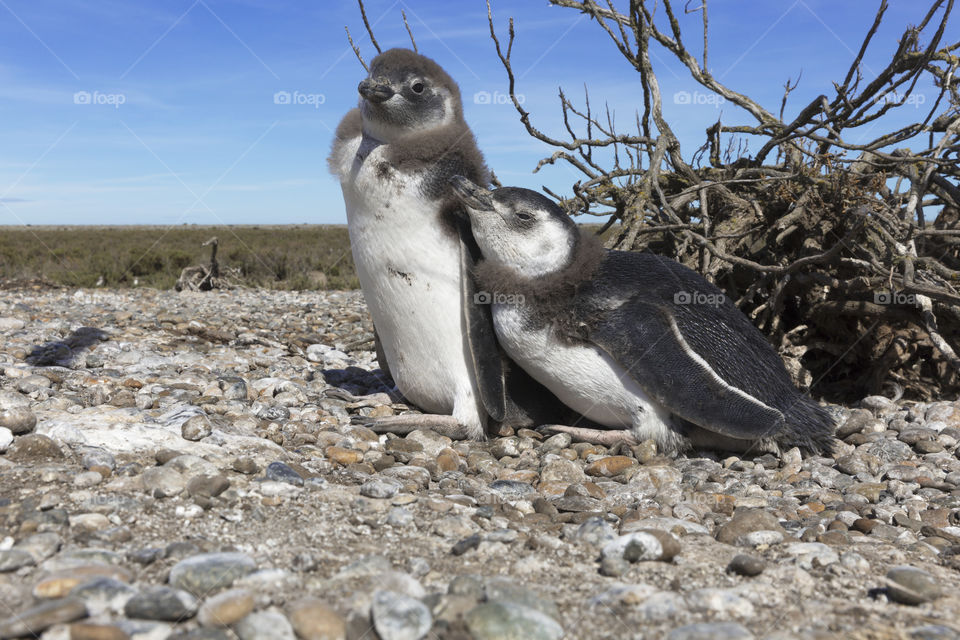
(409, 270)
(582, 376)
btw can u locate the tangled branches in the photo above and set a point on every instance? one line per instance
(846, 254)
(199, 278)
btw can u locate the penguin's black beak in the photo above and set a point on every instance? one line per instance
(472, 195)
(375, 91)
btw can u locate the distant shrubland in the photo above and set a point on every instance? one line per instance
(274, 257)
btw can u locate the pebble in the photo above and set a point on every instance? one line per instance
(226, 608)
(196, 428)
(745, 521)
(203, 573)
(314, 619)
(380, 488)
(13, 559)
(163, 482)
(207, 486)
(161, 603)
(399, 617)
(281, 472)
(746, 565)
(18, 420)
(265, 625)
(104, 595)
(711, 631)
(202, 425)
(651, 544)
(811, 555)
(43, 616)
(34, 447)
(94, 631)
(507, 621)
(909, 585)
(609, 466)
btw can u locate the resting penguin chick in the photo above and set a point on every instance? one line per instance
(631, 340)
(412, 245)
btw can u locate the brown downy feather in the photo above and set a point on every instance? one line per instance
(350, 127)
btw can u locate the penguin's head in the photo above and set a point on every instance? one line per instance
(518, 229)
(406, 92)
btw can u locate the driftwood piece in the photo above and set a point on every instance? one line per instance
(206, 278)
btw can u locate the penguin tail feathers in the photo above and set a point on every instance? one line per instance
(809, 427)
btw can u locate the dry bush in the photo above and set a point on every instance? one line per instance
(844, 254)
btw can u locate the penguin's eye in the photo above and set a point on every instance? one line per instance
(417, 87)
(526, 217)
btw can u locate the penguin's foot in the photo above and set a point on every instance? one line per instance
(606, 437)
(402, 425)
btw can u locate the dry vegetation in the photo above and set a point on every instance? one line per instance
(275, 257)
(836, 232)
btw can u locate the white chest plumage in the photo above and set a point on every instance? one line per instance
(409, 269)
(582, 376)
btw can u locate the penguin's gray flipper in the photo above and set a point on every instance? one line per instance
(402, 425)
(484, 357)
(606, 437)
(644, 337)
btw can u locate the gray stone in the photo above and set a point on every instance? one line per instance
(711, 631)
(723, 603)
(13, 559)
(162, 603)
(909, 585)
(104, 595)
(380, 488)
(506, 621)
(746, 520)
(595, 531)
(280, 472)
(811, 555)
(196, 428)
(163, 482)
(203, 573)
(512, 490)
(18, 420)
(505, 590)
(36, 619)
(265, 625)
(399, 617)
(746, 565)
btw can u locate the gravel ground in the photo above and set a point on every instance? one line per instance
(188, 468)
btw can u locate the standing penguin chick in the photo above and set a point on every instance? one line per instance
(632, 341)
(394, 156)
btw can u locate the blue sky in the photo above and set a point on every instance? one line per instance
(118, 112)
